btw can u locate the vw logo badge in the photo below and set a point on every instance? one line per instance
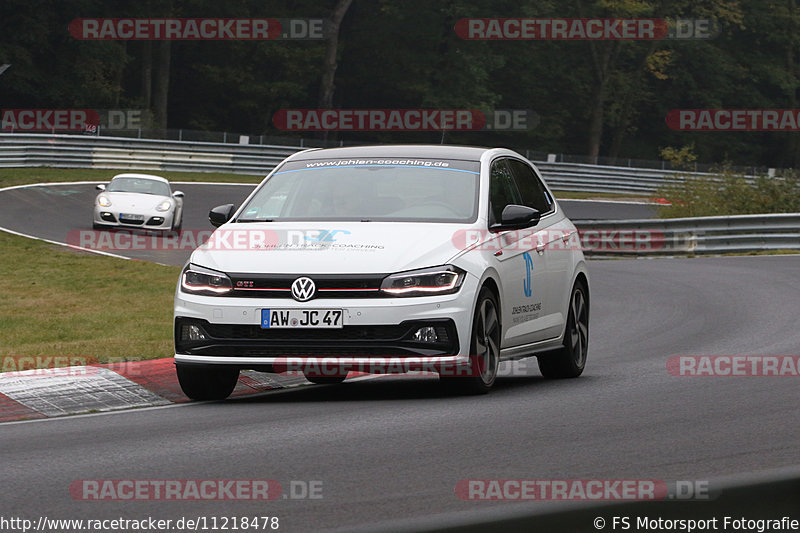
(303, 289)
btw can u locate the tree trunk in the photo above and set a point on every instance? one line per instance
(161, 85)
(596, 121)
(147, 74)
(119, 73)
(327, 86)
(329, 67)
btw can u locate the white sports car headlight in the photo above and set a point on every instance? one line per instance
(424, 282)
(198, 280)
(103, 201)
(164, 206)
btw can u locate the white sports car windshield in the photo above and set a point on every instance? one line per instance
(139, 185)
(402, 190)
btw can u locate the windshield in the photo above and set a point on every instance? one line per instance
(139, 185)
(403, 190)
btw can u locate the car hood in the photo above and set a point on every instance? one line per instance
(133, 202)
(315, 248)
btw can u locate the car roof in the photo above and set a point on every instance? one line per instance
(427, 151)
(141, 176)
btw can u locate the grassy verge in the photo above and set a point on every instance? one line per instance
(58, 301)
(727, 193)
(22, 176)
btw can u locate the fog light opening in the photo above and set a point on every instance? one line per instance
(193, 333)
(426, 334)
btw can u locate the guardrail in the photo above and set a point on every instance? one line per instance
(76, 151)
(681, 236)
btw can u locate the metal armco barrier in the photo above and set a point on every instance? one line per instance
(77, 151)
(680, 236)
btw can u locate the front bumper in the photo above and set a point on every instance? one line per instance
(155, 220)
(377, 332)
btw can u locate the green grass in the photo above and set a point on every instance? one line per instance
(22, 176)
(57, 301)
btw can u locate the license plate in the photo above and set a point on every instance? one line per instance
(131, 217)
(301, 318)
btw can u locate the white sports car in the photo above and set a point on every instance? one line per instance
(138, 201)
(385, 259)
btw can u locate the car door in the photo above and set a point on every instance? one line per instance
(521, 263)
(554, 253)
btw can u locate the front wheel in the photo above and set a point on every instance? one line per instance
(570, 360)
(207, 383)
(484, 348)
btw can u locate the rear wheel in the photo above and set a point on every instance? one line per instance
(325, 380)
(570, 360)
(484, 348)
(207, 383)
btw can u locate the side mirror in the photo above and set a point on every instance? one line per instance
(100, 187)
(221, 214)
(517, 217)
(177, 194)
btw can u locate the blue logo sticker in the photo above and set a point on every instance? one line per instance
(527, 284)
(326, 235)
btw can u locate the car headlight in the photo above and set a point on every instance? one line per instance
(103, 201)
(424, 282)
(198, 280)
(164, 206)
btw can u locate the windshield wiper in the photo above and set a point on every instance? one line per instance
(255, 220)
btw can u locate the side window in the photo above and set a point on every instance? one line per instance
(502, 190)
(530, 187)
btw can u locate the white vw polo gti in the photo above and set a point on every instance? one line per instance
(385, 259)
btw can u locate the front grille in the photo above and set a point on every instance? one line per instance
(327, 285)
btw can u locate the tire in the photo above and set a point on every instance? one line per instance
(570, 360)
(484, 348)
(175, 229)
(325, 380)
(207, 383)
(96, 226)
